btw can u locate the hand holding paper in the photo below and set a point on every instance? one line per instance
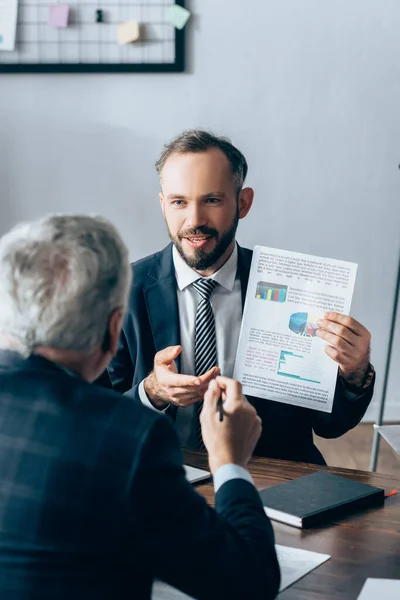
(349, 345)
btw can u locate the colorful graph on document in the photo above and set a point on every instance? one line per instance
(274, 292)
(298, 366)
(303, 323)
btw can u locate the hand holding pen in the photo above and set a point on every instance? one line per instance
(230, 425)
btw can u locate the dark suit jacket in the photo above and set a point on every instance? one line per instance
(94, 502)
(152, 323)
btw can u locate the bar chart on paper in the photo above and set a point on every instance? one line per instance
(298, 366)
(274, 292)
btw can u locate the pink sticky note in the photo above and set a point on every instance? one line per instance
(58, 15)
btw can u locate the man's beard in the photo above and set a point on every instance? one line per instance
(200, 260)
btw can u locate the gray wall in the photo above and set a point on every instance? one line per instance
(309, 90)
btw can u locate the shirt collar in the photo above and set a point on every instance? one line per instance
(185, 275)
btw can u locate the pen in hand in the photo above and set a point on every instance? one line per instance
(220, 409)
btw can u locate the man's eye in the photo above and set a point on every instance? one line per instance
(178, 202)
(213, 200)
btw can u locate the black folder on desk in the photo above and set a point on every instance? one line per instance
(315, 499)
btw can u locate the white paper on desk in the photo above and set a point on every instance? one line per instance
(391, 433)
(163, 591)
(8, 23)
(193, 474)
(295, 563)
(279, 356)
(387, 589)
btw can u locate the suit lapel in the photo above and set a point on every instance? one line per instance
(244, 263)
(162, 303)
(161, 298)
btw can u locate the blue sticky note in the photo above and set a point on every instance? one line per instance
(177, 16)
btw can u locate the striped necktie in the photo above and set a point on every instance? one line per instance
(205, 347)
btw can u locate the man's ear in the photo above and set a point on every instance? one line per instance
(113, 332)
(245, 201)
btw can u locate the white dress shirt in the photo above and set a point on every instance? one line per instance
(226, 302)
(227, 472)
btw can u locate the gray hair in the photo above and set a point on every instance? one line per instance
(60, 279)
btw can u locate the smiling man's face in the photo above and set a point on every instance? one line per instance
(202, 208)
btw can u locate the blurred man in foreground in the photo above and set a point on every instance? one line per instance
(94, 503)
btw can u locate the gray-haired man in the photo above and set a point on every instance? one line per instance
(93, 498)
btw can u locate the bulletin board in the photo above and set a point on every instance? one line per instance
(87, 46)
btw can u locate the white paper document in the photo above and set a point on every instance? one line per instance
(386, 589)
(193, 474)
(8, 23)
(279, 356)
(294, 564)
(391, 433)
(163, 591)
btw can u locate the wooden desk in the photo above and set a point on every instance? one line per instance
(364, 545)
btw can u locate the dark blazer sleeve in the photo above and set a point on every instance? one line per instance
(120, 369)
(209, 554)
(348, 410)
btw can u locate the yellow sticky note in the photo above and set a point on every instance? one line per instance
(177, 16)
(128, 32)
